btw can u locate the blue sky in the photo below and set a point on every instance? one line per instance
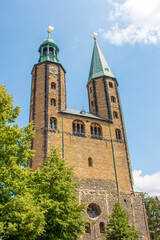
(129, 37)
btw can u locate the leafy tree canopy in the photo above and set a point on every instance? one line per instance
(33, 205)
(20, 217)
(55, 191)
(153, 215)
(118, 226)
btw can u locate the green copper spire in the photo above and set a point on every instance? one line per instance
(48, 50)
(99, 66)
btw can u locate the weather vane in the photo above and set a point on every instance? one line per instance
(50, 28)
(95, 35)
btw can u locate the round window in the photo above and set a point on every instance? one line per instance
(93, 210)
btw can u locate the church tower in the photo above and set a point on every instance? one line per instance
(48, 97)
(94, 143)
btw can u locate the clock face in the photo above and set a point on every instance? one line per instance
(53, 70)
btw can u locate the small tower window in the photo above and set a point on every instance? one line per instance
(118, 134)
(88, 228)
(45, 51)
(53, 102)
(102, 227)
(53, 85)
(53, 123)
(92, 104)
(96, 130)
(90, 162)
(115, 114)
(110, 84)
(90, 90)
(113, 99)
(78, 127)
(51, 50)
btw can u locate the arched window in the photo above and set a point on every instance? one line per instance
(115, 114)
(102, 227)
(53, 123)
(78, 128)
(113, 99)
(110, 84)
(53, 102)
(118, 134)
(88, 228)
(45, 51)
(51, 50)
(90, 162)
(90, 90)
(96, 130)
(53, 85)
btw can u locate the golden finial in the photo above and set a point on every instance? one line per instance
(95, 34)
(49, 30)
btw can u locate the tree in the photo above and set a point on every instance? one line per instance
(20, 217)
(153, 215)
(118, 226)
(56, 195)
(33, 205)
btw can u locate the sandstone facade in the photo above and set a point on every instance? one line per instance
(93, 143)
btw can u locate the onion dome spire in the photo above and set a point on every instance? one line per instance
(48, 49)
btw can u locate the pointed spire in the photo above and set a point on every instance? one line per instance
(99, 66)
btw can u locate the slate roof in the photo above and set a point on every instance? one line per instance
(82, 113)
(137, 189)
(99, 66)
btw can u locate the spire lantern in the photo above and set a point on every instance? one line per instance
(48, 49)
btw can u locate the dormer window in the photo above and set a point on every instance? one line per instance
(45, 51)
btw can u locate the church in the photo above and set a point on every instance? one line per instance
(93, 142)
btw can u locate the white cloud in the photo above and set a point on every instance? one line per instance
(148, 183)
(138, 21)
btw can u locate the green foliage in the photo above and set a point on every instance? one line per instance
(33, 205)
(20, 217)
(153, 214)
(55, 191)
(118, 226)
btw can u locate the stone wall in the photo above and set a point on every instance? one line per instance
(103, 194)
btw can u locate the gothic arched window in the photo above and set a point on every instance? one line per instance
(118, 134)
(115, 114)
(53, 123)
(96, 130)
(113, 99)
(78, 128)
(53, 102)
